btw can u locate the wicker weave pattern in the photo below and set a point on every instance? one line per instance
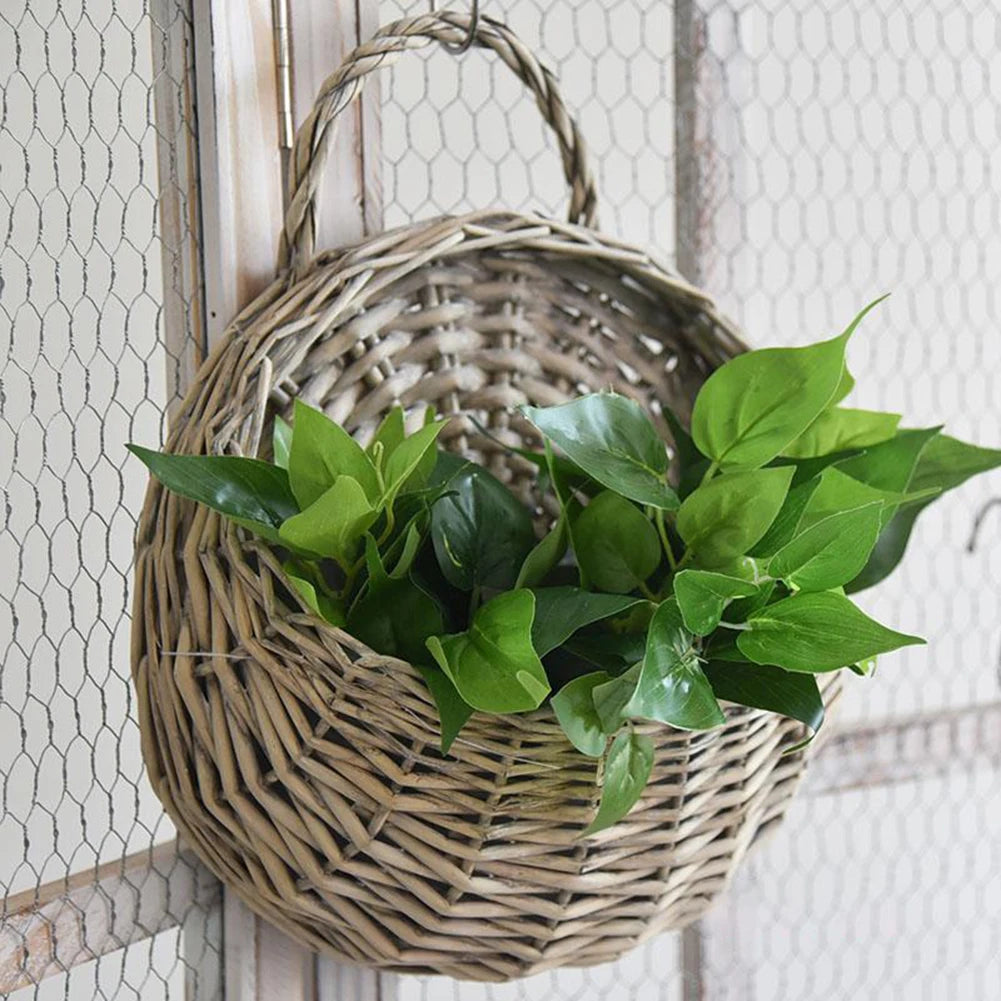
(301, 765)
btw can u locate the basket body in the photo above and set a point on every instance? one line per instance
(302, 766)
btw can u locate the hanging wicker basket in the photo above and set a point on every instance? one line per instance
(303, 767)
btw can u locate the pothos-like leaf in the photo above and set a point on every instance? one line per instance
(627, 771)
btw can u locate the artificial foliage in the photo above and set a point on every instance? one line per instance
(711, 565)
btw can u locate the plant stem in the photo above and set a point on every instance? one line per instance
(664, 540)
(710, 473)
(648, 594)
(684, 561)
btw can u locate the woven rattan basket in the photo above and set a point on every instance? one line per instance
(302, 766)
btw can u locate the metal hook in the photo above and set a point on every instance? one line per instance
(474, 25)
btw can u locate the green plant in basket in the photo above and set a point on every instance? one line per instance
(650, 597)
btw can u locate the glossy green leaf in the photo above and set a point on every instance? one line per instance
(613, 652)
(407, 457)
(946, 463)
(788, 520)
(727, 516)
(545, 555)
(481, 533)
(671, 687)
(758, 403)
(396, 617)
(388, 435)
(837, 492)
(943, 465)
(703, 595)
(561, 611)
(891, 465)
(575, 712)
(829, 553)
(816, 633)
(763, 686)
(627, 771)
(453, 712)
(281, 441)
(334, 524)
(616, 545)
(838, 428)
(493, 665)
(321, 452)
(846, 385)
(256, 494)
(613, 441)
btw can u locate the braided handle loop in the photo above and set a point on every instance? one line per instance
(315, 136)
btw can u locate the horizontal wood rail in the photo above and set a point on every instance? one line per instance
(46, 931)
(909, 749)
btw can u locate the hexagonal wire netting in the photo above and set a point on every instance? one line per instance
(826, 152)
(88, 274)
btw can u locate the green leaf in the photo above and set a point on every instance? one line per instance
(838, 429)
(890, 466)
(613, 441)
(743, 608)
(281, 441)
(829, 553)
(453, 712)
(574, 709)
(311, 590)
(561, 611)
(946, 463)
(943, 464)
(837, 492)
(671, 687)
(692, 464)
(396, 617)
(334, 524)
(627, 771)
(321, 452)
(546, 554)
(408, 456)
(763, 686)
(816, 633)
(493, 665)
(613, 652)
(703, 595)
(788, 520)
(758, 403)
(481, 533)
(727, 516)
(616, 545)
(846, 385)
(412, 538)
(388, 435)
(253, 493)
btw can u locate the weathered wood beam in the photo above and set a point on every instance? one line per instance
(49, 929)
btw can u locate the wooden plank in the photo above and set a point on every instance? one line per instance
(47, 930)
(350, 197)
(908, 750)
(238, 147)
(343, 982)
(178, 215)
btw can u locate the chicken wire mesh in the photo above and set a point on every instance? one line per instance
(94, 127)
(797, 157)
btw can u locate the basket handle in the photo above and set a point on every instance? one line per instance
(314, 138)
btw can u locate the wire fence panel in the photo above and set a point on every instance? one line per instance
(827, 153)
(89, 271)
